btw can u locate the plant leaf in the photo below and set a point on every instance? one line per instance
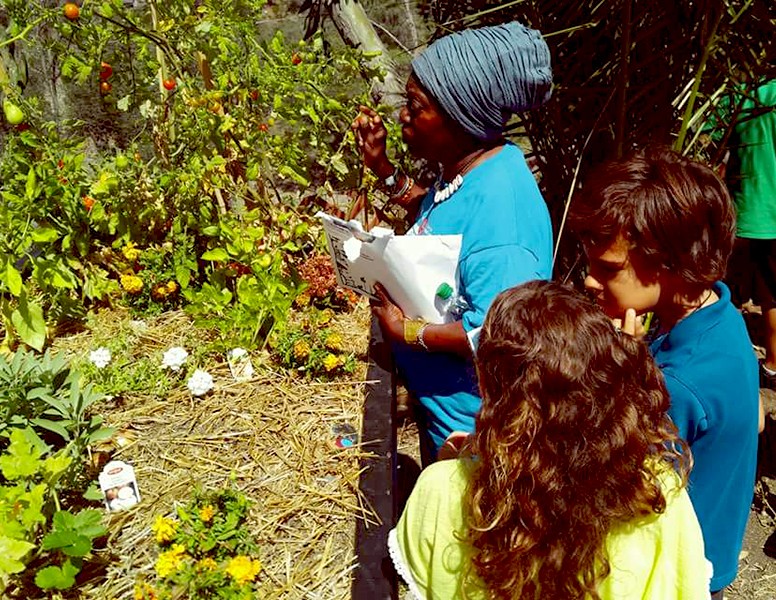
(29, 323)
(11, 553)
(60, 578)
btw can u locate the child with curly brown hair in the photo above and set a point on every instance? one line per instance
(658, 229)
(574, 487)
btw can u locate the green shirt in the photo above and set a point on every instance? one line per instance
(752, 168)
(655, 558)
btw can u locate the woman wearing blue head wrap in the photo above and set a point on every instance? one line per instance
(461, 93)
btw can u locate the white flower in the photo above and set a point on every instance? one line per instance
(174, 358)
(100, 357)
(200, 383)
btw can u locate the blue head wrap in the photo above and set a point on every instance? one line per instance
(481, 76)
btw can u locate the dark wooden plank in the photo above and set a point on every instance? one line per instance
(374, 577)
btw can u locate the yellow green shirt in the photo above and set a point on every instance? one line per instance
(655, 558)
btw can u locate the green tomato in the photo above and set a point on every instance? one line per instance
(122, 161)
(13, 114)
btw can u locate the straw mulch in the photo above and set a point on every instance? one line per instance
(270, 437)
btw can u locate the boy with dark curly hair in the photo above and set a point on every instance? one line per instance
(658, 230)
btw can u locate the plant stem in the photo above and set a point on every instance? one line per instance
(688, 110)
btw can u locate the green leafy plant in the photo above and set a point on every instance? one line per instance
(45, 393)
(206, 551)
(313, 347)
(30, 511)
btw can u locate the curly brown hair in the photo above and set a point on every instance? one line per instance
(573, 423)
(676, 212)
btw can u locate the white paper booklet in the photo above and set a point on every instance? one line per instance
(410, 267)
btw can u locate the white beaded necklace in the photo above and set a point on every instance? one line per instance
(443, 193)
(451, 188)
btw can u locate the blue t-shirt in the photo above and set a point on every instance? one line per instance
(711, 374)
(507, 240)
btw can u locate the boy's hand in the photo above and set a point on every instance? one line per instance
(632, 324)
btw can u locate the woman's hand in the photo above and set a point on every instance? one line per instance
(389, 315)
(371, 135)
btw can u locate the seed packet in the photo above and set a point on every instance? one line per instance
(240, 364)
(119, 486)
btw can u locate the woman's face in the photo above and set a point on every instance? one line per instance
(425, 127)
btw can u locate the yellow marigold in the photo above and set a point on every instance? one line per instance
(145, 592)
(333, 342)
(172, 287)
(330, 362)
(132, 284)
(243, 569)
(130, 252)
(164, 529)
(207, 564)
(159, 292)
(302, 300)
(301, 350)
(170, 561)
(206, 513)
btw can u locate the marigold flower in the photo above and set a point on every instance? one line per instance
(302, 300)
(206, 513)
(170, 561)
(301, 350)
(130, 252)
(207, 564)
(132, 284)
(159, 292)
(145, 592)
(330, 362)
(164, 529)
(243, 569)
(333, 342)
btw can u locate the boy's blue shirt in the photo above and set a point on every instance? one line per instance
(507, 240)
(712, 377)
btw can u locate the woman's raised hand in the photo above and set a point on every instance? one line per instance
(371, 137)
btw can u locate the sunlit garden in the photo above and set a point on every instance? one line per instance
(182, 381)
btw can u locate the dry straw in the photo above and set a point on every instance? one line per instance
(271, 436)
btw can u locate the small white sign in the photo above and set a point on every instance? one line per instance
(119, 486)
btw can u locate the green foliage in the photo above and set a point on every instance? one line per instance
(206, 552)
(45, 393)
(30, 517)
(313, 347)
(250, 126)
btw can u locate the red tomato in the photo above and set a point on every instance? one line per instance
(169, 84)
(105, 70)
(71, 11)
(105, 88)
(88, 202)
(295, 59)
